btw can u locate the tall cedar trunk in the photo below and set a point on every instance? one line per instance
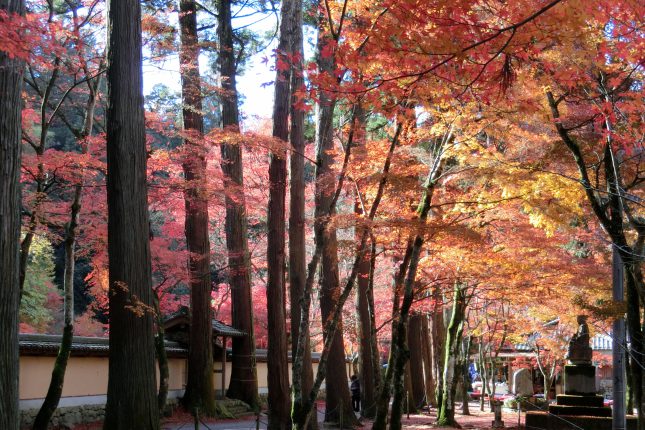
(429, 380)
(337, 390)
(60, 366)
(409, 401)
(446, 412)
(131, 393)
(278, 378)
(200, 392)
(244, 380)
(11, 70)
(297, 248)
(416, 359)
(438, 339)
(368, 367)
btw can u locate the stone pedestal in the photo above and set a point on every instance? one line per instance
(580, 379)
(579, 406)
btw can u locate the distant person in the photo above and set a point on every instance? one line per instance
(355, 387)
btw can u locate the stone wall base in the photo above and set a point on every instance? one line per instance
(67, 417)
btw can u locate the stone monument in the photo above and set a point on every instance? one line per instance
(522, 383)
(579, 406)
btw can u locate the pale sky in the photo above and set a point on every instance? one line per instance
(258, 99)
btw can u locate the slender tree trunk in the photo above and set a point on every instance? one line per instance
(162, 359)
(483, 372)
(465, 376)
(400, 352)
(383, 401)
(368, 368)
(41, 181)
(426, 346)
(491, 380)
(303, 402)
(11, 70)
(200, 392)
(416, 359)
(636, 338)
(132, 391)
(438, 340)
(244, 380)
(376, 357)
(337, 391)
(297, 248)
(629, 386)
(278, 378)
(58, 374)
(446, 413)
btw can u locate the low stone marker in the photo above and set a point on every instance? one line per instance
(522, 383)
(498, 423)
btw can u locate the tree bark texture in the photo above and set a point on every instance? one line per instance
(367, 365)
(244, 381)
(132, 391)
(416, 359)
(200, 392)
(58, 374)
(278, 377)
(337, 390)
(297, 248)
(400, 352)
(11, 71)
(383, 401)
(303, 402)
(446, 413)
(438, 333)
(162, 359)
(429, 379)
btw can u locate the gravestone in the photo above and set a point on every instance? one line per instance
(522, 383)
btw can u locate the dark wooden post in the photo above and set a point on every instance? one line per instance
(223, 367)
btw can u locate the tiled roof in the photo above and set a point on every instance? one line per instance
(599, 342)
(219, 328)
(47, 344)
(226, 330)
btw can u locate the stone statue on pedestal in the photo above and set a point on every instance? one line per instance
(579, 349)
(580, 406)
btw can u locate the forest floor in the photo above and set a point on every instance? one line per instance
(477, 420)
